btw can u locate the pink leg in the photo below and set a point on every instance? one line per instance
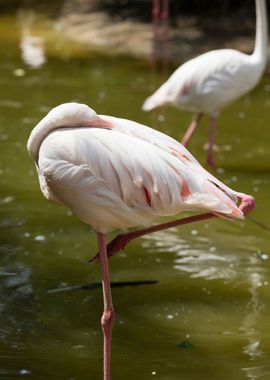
(212, 137)
(120, 241)
(164, 19)
(155, 21)
(247, 204)
(108, 312)
(191, 129)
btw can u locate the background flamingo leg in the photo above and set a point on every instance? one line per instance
(191, 129)
(165, 25)
(155, 22)
(108, 312)
(211, 141)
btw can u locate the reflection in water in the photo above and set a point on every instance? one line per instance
(253, 348)
(58, 336)
(16, 278)
(16, 317)
(199, 259)
(32, 47)
(257, 372)
(16, 291)
(191, 258)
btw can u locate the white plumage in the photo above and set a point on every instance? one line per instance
(115, 173)
(209, 82)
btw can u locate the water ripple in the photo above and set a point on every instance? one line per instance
(257, 372)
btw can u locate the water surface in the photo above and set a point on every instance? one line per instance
(208, 315)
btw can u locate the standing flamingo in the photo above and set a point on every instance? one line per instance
(207, 83)
(116, 174)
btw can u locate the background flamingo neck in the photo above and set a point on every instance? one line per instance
(260, 51)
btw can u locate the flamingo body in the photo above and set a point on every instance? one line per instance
(211, 81)
(207, 83)
(115, 173)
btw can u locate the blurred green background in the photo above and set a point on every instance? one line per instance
(207, 317)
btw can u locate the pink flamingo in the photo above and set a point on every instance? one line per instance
(209, 82)
(117, 174)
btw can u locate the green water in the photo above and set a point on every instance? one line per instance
(208, 315)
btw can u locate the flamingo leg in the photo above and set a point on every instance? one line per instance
(191, 129)
(212, 137)
(108, 312)
(165, 19)
(120, 241)
(155, 22)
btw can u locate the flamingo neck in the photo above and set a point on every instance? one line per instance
(38, 135)
(68, 115)
(260, 51)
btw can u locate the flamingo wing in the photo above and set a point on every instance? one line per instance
(169, 145)
(208, 82)
(217, 78)
(125, 175)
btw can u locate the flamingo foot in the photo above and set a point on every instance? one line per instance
(248, 203)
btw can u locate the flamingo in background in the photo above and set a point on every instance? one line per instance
(116, 174)
(209, 82)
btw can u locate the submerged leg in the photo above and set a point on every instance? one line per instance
(212, 137)
(108, 312)
(191, 129)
